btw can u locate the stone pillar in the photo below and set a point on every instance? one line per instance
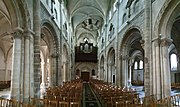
(165, 68)
(178, 59)
(121, 84)
(105, 53)
(65, 74)
(27, 57)
(50, 73)
(148, 48)
(109, 73)
(6, 70)
(116, 48)
(53, 70)
(130, 72)
(57, 67)
(156, 76)
(101, 73)
(37, 38)
(125, 70)
(16, 66)
(31, 66)
(66, 71)
(43, 72)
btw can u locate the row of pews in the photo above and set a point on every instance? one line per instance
(114, 96)
(70, 95)
(67, 95)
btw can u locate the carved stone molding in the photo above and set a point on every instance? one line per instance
(18, 33)
(29, 34)
(160, 14)
(166, 41)
(126, 57)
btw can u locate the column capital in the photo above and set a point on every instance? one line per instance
(125, 57)
(18, 32)
(166, 41)
(28, 33)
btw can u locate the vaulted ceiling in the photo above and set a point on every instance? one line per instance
(87, 17)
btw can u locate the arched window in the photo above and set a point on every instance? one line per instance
(135, 65)
(173, 63)
(141, 64)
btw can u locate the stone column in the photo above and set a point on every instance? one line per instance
(121, 84)
(42, 87)
(50, 73)
(148, 48)
(65, 71)
(178, 59)
(130, 71)
(125, 70)
(101, 77)
(53, 70)
(57, 67)
(31, 66)
(165, 68)
(16, 66)
(43, 72)
(6, 70)
(37, 38)
(117, 45)
(156, 68)
(27, 57)
(105, 52)
(109, 72)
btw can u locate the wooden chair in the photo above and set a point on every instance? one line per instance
(12, 102)
(120, 104)
(63, 104)
(53, 103)
(74, 104)
(41, 102)
(1, 102)
(4, 102)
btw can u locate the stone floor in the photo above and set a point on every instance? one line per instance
(5, 93)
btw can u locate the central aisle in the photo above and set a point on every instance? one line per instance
(89, 97)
